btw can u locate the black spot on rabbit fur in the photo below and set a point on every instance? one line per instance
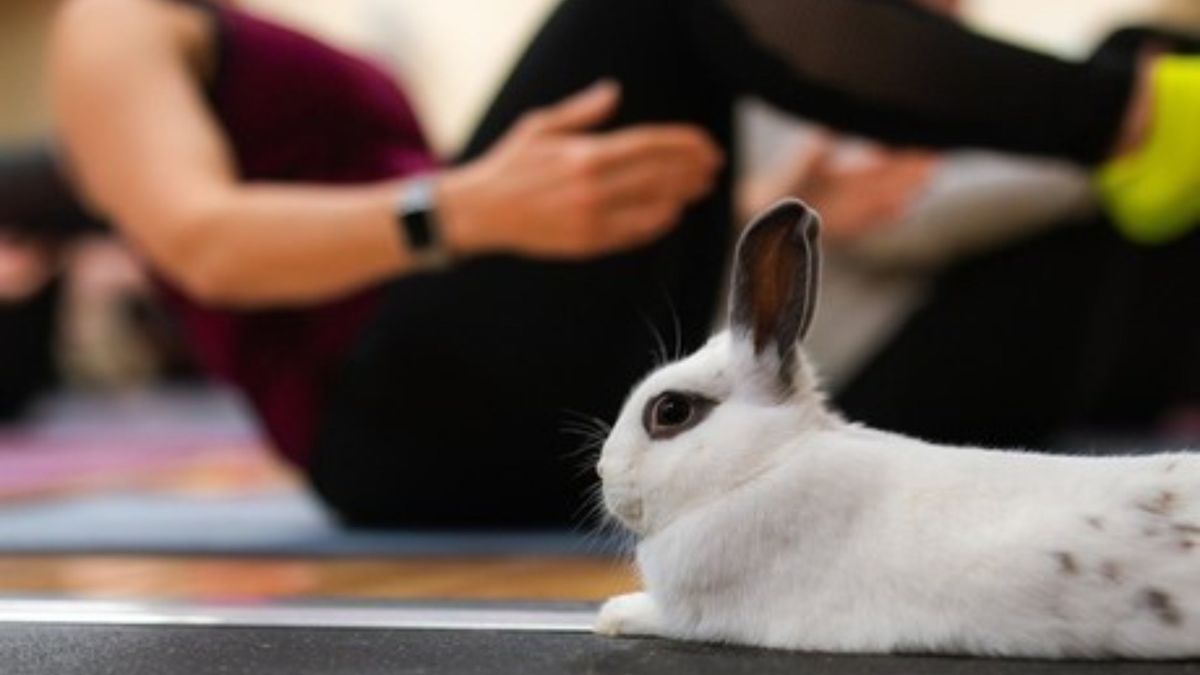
(1112, 572)
(1162, 605)
(1162, 503)
(1187, 535)
(1066, 563)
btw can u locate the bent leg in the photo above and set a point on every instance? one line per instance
(457, 404)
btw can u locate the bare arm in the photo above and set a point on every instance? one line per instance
(125, 81)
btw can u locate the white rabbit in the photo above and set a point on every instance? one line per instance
(766, 519)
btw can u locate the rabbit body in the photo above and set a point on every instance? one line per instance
(766, 519)
(869, 542)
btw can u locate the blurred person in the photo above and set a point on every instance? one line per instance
(111, 336)
(27, 324)
(25, 268)
(940, 268)
(29, 293)
(71, 296)
(260, 173)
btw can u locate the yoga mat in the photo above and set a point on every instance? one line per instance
(75, 442)
(522, 647)
(182, 472)
(282, 523)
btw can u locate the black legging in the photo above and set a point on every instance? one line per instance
(451, 408)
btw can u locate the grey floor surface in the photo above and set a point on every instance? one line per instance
(104, 650)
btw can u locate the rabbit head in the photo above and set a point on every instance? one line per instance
(696, 429)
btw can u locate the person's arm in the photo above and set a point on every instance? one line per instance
(976, 202)
(152, 158)
(855, 198)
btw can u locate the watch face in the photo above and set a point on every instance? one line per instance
(416, 216)
(420, 233)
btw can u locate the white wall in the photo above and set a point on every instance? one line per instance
(23, 25)
(1068, 27)
(452, 55)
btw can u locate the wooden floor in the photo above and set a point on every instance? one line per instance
(215, 579)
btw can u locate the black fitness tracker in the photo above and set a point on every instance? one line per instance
(416, 217)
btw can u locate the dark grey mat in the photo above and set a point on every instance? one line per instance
(68, 650)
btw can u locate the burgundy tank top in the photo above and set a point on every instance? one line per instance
(296, 110)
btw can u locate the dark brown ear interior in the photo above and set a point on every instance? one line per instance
(775, 281)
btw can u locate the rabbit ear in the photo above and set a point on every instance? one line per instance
(775, 280)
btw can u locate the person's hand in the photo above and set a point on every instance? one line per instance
(855, 196)
(862, 196)
(24, 268)
(552, 189)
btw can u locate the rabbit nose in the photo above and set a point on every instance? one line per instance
(600, 469)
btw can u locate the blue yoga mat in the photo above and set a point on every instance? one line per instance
(283, 523)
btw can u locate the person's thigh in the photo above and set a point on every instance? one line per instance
(1002, 351)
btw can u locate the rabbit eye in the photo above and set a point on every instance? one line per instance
(673, 412)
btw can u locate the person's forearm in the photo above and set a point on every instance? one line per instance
(148, 152)
(277, 245)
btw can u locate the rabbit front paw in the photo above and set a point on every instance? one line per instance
(631, 614)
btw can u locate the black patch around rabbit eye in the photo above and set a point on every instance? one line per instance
(674, 412)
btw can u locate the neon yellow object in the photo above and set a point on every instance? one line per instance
(1153, 194)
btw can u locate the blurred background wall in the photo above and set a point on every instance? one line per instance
(451, 54)
(23, 25)
(1067, 27)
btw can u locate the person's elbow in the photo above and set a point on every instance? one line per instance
(195, 251)
(210, 281)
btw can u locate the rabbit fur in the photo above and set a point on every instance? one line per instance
(766, 519)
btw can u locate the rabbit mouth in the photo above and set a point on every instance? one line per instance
(625, 508)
